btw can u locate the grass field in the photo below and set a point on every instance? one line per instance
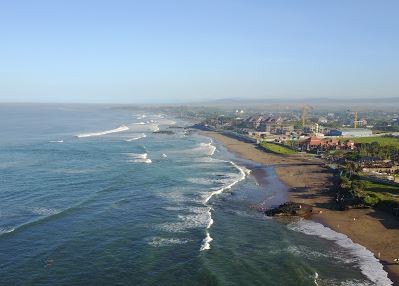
(383, 141)
(277, 149)
(379, 187)
(378, 192)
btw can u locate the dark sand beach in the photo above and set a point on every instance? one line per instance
(310, 182)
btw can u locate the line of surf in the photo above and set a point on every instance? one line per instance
(243, 173)
(206, 242)
(369, 265)
(139, 158)
(100, 133)
(136, 138)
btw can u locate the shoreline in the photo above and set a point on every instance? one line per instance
(310, 182)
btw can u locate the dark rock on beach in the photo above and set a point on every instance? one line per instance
(290, 209)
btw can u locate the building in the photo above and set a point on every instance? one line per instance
(351, 132)
(263, 123)
(322, 120)
(317, 144)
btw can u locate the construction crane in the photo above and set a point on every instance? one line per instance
(305, 110)
(355, 117)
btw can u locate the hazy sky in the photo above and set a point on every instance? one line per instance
(176, 51)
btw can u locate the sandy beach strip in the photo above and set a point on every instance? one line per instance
(311, 182)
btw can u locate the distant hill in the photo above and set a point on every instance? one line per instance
(294, 102)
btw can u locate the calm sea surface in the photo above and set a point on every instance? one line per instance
(90, 196)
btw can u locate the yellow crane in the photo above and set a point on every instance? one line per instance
(355, 121)
(355, 117)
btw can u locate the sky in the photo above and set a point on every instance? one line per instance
(188, 51)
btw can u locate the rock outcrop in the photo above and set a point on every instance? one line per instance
(290, 209)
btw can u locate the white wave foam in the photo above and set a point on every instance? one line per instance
(119, 129)
(369, 265)
(164, 156)
(139, 123)
(206, 243)
(154, 127)
(160, 241)
(4, 230)
(309, 253)
(210, 219)
(45, 211)
(142, 135)
(243, 173)
(316, 276)
(207, 148)
(56, 141)
(197, 217)
(139, 158)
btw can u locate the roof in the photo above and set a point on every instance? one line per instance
(354, 130)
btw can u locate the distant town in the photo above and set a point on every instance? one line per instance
(362, 146)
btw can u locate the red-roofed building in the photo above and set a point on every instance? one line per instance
(316, 144)
(311, 143)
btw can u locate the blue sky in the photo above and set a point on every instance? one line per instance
(182, 51)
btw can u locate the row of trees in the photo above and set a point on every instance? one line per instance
(374, 149)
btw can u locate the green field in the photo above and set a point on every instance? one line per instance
(381, 188)
(379, 192)
(277, 149)
(383, 141)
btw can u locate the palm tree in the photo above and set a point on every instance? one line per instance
(352, 167)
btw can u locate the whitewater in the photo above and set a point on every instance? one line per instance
(101, 133)
(177, 206)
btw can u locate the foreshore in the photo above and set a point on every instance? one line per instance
(311, 182)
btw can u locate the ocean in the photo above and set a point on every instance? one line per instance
(89, 195)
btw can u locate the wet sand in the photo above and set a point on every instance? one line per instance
(311, 182)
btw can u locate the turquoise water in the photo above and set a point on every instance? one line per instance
(90, 196)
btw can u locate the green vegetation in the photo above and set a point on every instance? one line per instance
(383, 140)
(381, 188)
(383, 151)
(277, 148)
(360, 192)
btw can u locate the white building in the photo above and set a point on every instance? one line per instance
(351, 132)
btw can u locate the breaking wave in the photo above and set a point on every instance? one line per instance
(369, 265)
(207, 148)
(119, 129)
(139, 158)
(136, 138)
(6, 230)
(206, 242)
(243, 173)
(196, 217)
